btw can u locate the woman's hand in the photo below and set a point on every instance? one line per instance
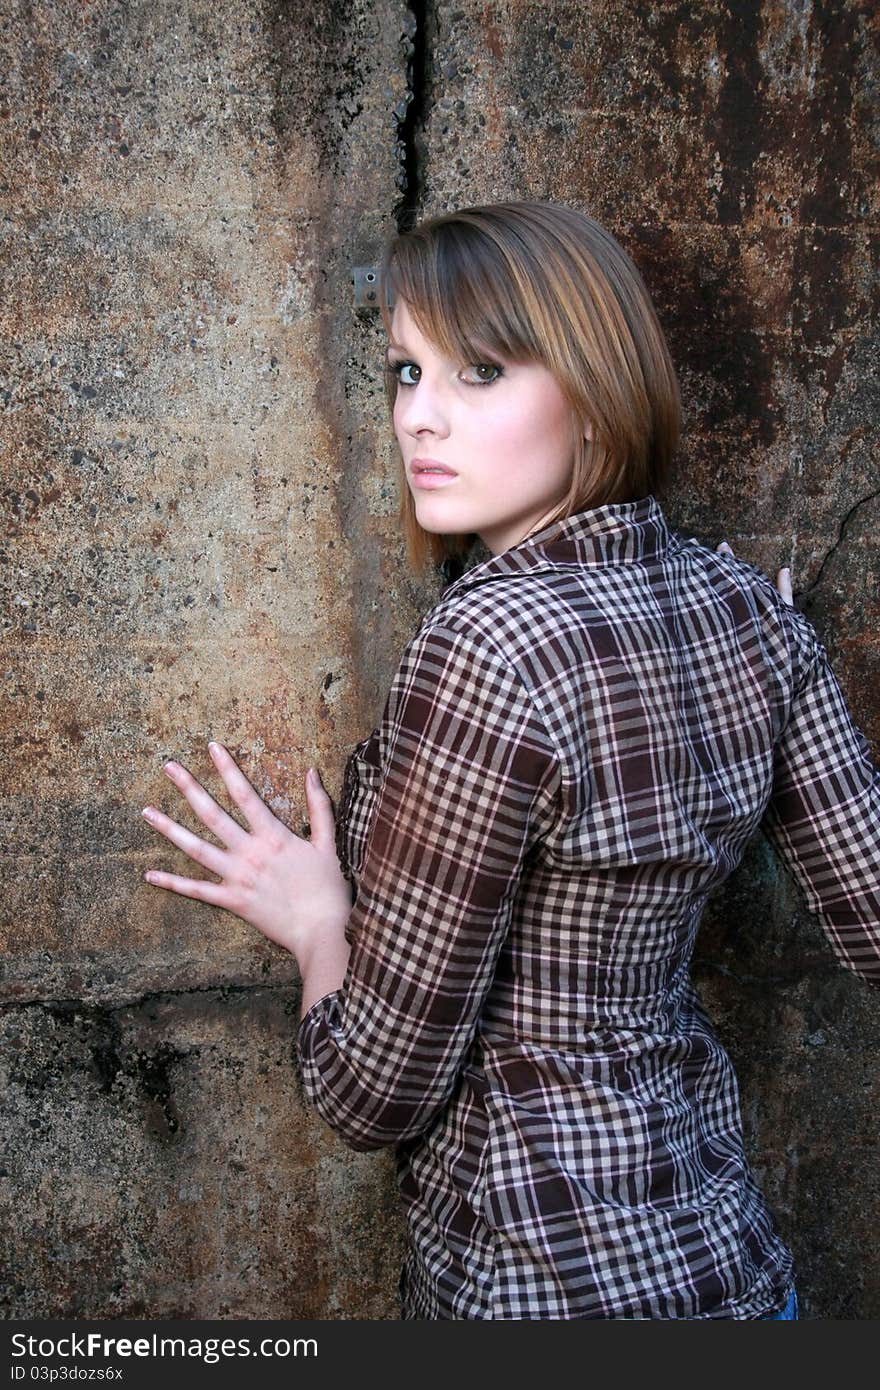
(291, 889)
(783, 576)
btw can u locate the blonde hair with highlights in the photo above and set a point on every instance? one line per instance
(542, 282)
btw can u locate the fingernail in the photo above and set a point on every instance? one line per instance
(214, 746)
(313, 777)
(149, 812)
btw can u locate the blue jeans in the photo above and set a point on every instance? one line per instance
(789, 1312)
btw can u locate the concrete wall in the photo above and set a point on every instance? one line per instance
(200, 542)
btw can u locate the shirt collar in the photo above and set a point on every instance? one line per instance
(617, 533)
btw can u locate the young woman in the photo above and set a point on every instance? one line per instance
(583, 735)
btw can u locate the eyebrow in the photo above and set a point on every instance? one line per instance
(396, 347)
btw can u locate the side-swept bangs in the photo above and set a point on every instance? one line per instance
(454, 285)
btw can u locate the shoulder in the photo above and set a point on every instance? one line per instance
(490, 650)
(510, 616)
(457, 639)
(457, 668)
(457, 706)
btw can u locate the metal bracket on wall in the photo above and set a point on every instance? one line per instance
(366, 286)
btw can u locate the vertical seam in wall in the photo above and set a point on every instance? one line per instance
(411, 125)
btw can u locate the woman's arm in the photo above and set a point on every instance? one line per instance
(823, 816)
(469, 780)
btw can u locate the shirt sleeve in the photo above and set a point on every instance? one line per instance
(469, 781)
(823, 816)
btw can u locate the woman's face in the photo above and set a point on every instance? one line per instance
(503, 431)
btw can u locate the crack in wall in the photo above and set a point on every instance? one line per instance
(411, 125)
(159, 996)
(829, 556)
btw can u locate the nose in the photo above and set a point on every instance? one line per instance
(422, 409)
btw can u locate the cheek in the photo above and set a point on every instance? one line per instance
(537, 430)
(511, 426)
(395, 417)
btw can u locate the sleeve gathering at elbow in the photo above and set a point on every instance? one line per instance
(368, 1108)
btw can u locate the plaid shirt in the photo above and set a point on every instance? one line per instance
(578, 744)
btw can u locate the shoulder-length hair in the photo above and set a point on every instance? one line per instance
(542, 282)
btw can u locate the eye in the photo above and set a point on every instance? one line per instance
(398, 368)
(479, 367)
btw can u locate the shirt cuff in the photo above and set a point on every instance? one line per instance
(309, 1020)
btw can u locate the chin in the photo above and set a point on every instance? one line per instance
(440, 523)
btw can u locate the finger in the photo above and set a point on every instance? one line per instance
(783, 584)
(321, 818)
(246, 799)
(209, 856)
(724, 548)
(202, 889)
(218, 821)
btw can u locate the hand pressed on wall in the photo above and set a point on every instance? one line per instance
(290, 888)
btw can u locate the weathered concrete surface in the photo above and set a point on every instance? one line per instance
(198, 472)
(201, 542)
(171, 1170)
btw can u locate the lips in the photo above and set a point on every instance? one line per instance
(430, 467)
